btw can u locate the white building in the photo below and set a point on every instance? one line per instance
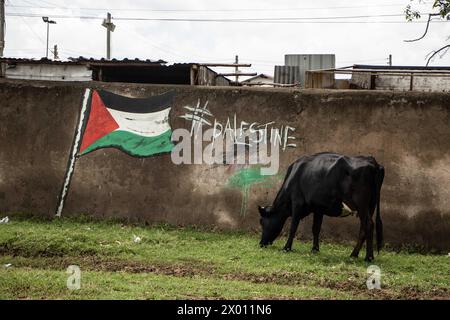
(44, 69)
(261, 80)
(126, 70)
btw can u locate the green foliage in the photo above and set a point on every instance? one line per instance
(441, 7)
(411, 14)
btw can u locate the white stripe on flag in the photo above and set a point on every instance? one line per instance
(143, 124)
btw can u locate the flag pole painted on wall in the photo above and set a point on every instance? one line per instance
(139, 127)
(73, 153)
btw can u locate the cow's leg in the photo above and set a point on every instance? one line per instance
(369, 239)
(317, 225)
(294, 225)
(296, 216)
(361, 237)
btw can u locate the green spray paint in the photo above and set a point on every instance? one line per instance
(245, 178)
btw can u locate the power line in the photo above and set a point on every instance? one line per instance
(24, 49)
(71, 52)
(53, 6)
(360, 61)
(268, 19)
(217, 19)
(165, 48)
(234, 20)
(207, 10)
(32, 30)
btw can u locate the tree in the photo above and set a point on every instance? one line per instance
(441, 6)
(441, 9)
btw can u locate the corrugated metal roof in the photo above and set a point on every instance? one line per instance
(84, 60)
(34, 61)
(261, 75)
(207, 78)
(116, 61)
(385, 67)
(287, 74)
(308, 62)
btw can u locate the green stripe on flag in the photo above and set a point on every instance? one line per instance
(135, 145)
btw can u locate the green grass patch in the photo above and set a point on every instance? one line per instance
(188, 263)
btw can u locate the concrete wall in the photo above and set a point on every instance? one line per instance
(419, 82)
(407, 132)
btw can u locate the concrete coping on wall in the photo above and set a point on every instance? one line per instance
(335, 93)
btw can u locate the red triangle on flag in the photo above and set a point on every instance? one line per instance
(100, 122)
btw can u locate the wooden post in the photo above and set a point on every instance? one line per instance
(2, 27)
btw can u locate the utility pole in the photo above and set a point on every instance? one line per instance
(390, 60)
(2, 27)
(55, 52)
(236, 61)
(237, 73)
(110, 27)
(48, 31)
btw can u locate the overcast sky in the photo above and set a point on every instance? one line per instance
(262, 44)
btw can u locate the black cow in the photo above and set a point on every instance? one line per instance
(326, 184)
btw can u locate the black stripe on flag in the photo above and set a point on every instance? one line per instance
(137, 105)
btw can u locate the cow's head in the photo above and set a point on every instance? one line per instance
(271, 225)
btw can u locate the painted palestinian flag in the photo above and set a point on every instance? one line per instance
(139, 127)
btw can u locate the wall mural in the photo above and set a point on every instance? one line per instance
(245, 178)
(138, 127)
(269, 132)
(246, 163)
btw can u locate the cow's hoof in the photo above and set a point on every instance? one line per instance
(354, 256)
(369, 259)
(285, 249)
(315, 250)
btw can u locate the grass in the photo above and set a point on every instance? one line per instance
(185, 263)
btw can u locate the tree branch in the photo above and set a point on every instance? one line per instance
(436, 52)
(426, 29)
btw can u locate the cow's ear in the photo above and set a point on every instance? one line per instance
(262, 211)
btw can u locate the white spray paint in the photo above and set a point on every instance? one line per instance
(259, 133)
(74, 154)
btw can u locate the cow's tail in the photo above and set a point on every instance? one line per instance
(378, 222)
